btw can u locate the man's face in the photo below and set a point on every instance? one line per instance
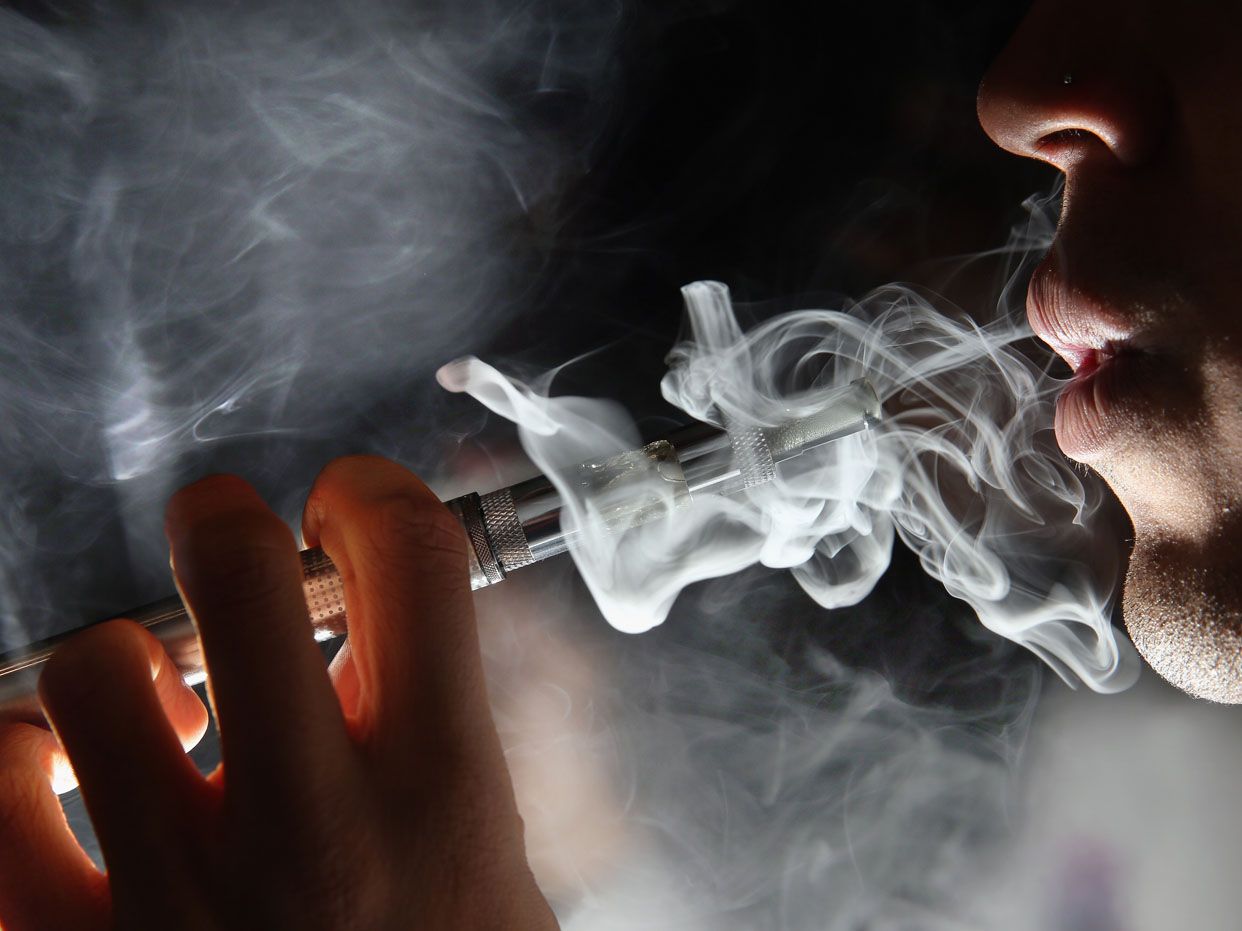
(1140, 104)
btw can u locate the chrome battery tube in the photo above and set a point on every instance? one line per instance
(516, 526)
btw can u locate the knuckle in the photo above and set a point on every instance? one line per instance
(81, 670)
(250, 580)
(239, 552)
(421, 525)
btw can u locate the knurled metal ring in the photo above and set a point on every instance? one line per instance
(472, 519)
(752, 456)
(500, 518)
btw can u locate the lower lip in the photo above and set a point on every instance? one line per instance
(1088, 408)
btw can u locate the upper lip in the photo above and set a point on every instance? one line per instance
(1080, 328)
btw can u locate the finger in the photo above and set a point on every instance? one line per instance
(46, 879)
(185, 711)
(237, 568)
(99, 693)
(403, 561)
(344, 676)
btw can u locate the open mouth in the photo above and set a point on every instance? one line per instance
(1086, 362)
(1109, 363)
(1104, 383)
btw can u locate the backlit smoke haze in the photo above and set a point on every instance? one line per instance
(244, 236)
(233, 226)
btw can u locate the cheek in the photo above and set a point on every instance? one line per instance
(1183, 610)
(1222, 380)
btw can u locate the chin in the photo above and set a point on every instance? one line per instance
(1183, 610)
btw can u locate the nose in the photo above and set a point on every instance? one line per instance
(1073, 83)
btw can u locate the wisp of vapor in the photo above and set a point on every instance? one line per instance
(963, 470)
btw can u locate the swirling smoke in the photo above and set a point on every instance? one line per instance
(241, 236)
(963, 470)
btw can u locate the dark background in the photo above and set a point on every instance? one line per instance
(797, 151)
(788, 149)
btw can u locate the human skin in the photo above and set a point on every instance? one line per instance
(1139, 293)
(370, 798)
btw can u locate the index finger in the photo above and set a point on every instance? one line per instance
(237, 567)
(402, 556)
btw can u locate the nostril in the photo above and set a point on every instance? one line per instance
(1063, 135)
(1066, 147)
(1063, 95)
(1122, 118)
(1058, 141)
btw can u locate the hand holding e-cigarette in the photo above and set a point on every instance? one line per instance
(372, 795)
